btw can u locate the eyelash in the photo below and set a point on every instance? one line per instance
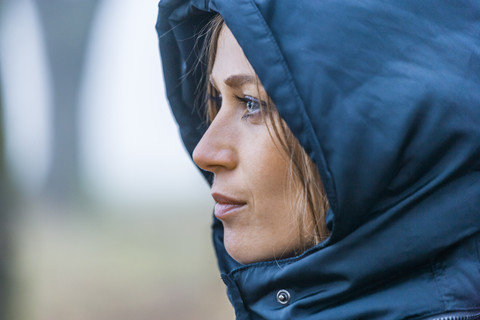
(249, 101)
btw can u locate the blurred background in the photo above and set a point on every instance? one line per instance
(102, 214)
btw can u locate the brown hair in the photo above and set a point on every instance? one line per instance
(311, 202)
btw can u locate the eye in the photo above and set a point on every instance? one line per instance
(253, 105)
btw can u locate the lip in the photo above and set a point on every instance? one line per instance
(226, 206)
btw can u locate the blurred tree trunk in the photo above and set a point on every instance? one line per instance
(66, 25)
(5, 223)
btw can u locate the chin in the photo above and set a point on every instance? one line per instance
(252, 251)
(242, 252)
(243, 256)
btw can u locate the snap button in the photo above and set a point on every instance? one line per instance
(283, 296)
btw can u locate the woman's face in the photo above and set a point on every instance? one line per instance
(252, 184)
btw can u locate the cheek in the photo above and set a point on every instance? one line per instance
(268, 168)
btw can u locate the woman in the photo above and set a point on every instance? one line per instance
(384, 99)
(266, 203)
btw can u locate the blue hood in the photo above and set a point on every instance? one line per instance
(385, 98)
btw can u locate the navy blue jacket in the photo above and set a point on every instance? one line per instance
(385, 98)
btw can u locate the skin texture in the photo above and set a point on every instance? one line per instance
(252, 173)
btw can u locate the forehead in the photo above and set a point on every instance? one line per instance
(229, 59)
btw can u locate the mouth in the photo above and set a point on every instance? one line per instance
(226, 206)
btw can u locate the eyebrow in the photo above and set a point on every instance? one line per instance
(236, 80)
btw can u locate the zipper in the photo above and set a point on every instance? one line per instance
(459, 316)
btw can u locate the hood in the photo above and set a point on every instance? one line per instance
(384, 96)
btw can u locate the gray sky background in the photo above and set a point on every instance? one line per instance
(130, 151)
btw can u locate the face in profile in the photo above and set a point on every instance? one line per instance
(252, 175)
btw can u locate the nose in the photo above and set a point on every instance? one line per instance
(216, 150)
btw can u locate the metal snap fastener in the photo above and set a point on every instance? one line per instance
(283, 296)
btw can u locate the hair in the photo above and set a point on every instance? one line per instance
(311, 203)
